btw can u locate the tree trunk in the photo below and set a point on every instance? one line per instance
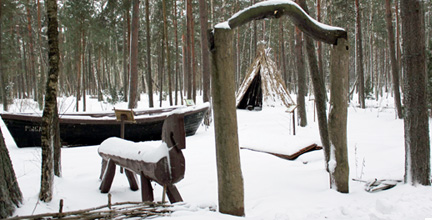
(49, 125)
(230, 180)
(398, 44)
(83, 65)
(78, 69)
(338, 164)
(167, 52)
(393, 62)
(32, 56)
(2, 74)
(41, 57)
(149, 70)
(416, 121)
(192, 53)
(161, 68)
(188, 60)
(301, 77)
(57, 143)
(254, 37)
(319, 92)
(133, 84)
(125, 55)
(359, 57)
(205, 57)
(319, 46)
(177, 72)
(282, 51)
(10, 192)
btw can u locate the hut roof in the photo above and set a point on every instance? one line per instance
(263, 84)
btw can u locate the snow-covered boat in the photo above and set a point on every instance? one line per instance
(82, 129)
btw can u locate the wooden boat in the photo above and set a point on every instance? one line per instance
(81, 129)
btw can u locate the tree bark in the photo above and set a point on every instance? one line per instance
(57, 143)
(32, 56)
(49, 119)
(84, 77)
(398, 44)
(161, 69)
(416, 122)
(319, 46)
(169, 73)
(393, 62)
(149, 70)
(2, 74)
(10, 192)
(78, 79)
(188, 60)
(339, 168)
(319, 92)
(359, 57)
(301, 79)
(133, 83)
(230, 180)
(177, 75)
(125, 55)
(192, 53)
(205, 57)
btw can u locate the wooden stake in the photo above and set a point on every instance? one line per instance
(164, 193)
(61, 208)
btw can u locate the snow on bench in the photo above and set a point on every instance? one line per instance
(159, 161)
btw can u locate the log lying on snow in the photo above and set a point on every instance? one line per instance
(293, 156)
(378, 185)
(162, 162)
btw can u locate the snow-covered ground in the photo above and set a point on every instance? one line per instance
(274, 188)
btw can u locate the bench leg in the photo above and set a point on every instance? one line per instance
(103, 167)
(146, 189)
(173, 194)
(132, 180)
(108, 177)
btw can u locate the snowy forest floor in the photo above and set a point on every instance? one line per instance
(274, 188)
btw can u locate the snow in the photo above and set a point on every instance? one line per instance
(223, 25)
(149, 151)
(287, 2)
(274, 188)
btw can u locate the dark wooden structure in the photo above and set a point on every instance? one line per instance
(82, 129)
(166, 172)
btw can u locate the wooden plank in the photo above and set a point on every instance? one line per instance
(293, 156)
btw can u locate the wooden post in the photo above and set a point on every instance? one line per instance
(173, 194)
(293, 113)
(146, 189)
(230, 179)
(339, 62)
(108, 177)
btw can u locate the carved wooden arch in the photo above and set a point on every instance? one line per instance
(230, 181)
(276, 9)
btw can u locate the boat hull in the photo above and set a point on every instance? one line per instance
(26, 129)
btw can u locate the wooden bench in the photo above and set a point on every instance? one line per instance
(166, 170)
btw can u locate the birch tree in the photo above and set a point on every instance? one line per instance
(50, 116)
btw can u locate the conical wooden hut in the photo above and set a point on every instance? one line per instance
(263, 85)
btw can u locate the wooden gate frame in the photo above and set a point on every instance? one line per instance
(231, 196)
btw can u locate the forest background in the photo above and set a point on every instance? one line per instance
(95, 41)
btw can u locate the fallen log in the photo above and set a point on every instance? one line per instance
(293, 156)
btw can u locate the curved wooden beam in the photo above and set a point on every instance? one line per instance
(278, 8)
